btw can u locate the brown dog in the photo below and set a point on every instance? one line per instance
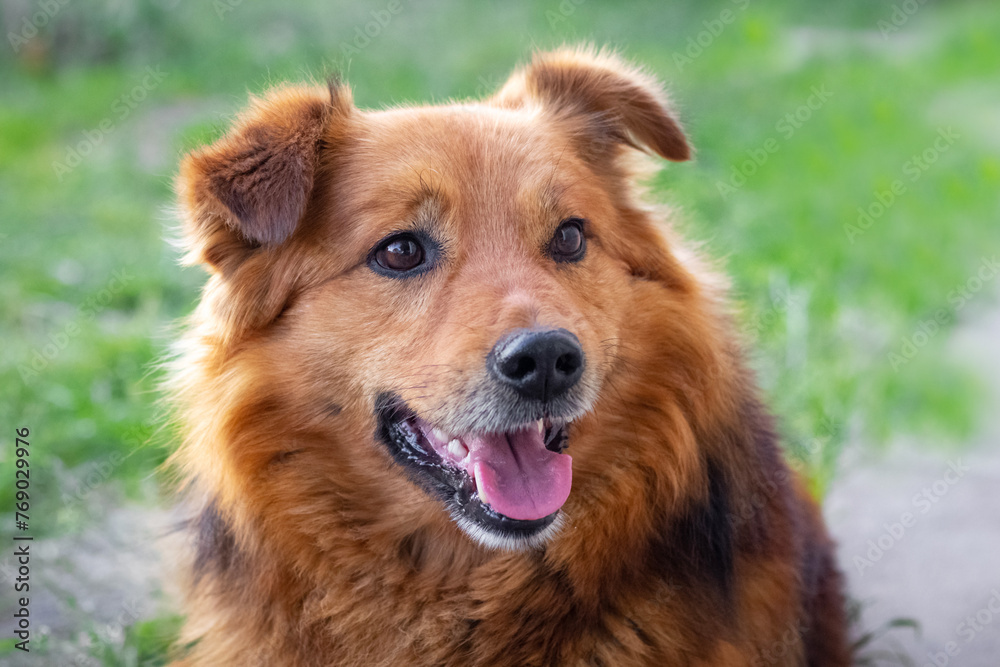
(453, 397)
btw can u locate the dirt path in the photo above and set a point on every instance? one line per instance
(919, 530)
(88, 587)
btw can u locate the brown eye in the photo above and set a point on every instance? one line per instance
(569, 244)
(399, 254)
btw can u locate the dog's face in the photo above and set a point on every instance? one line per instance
(453, 280)
(481, 305)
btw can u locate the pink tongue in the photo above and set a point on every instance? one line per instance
(517, 476)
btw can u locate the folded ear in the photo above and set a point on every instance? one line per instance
(250, 188)
(619, 102)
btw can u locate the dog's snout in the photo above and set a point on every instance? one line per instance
(540, 364)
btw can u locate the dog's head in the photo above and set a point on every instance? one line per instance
(435, 291)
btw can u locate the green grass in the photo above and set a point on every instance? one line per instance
(86, 270)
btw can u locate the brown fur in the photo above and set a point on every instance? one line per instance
(686, 539)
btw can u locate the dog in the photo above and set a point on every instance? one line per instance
(455, 394)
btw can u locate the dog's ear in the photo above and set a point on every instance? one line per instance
(620, 103)
(250, 188)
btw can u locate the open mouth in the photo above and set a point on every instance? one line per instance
(505, 489)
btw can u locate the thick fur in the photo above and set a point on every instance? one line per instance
(685, 540)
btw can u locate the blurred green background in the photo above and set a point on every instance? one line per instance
(847, 173)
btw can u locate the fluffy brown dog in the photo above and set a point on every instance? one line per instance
(454, 397)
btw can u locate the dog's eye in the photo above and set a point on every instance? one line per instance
(399, 253)
(569, 244)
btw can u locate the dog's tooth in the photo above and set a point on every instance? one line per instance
(440, 435)
(458, 449)
(540, 424)
(482, 495)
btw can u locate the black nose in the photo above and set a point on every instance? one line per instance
(541, 364)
